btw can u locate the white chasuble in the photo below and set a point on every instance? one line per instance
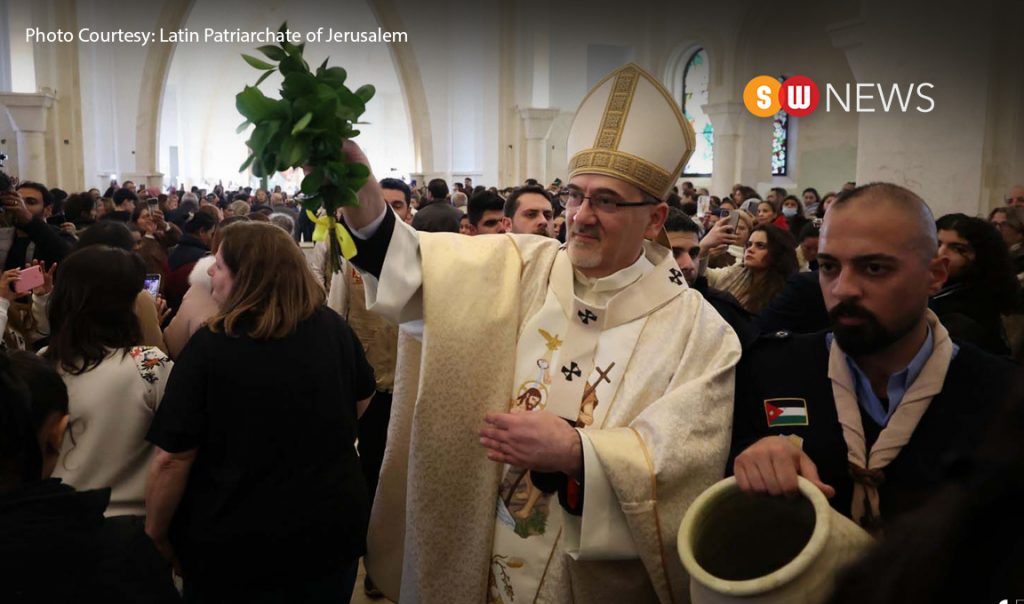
(569, 361)
(646, 376)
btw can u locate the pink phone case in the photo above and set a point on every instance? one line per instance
(30, 278)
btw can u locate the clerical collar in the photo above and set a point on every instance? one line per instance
(597, 291)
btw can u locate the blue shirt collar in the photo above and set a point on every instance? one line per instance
(899, 382)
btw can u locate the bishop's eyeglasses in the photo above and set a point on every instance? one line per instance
(605, 203)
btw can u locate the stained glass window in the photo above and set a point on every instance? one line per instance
(780, 142)
(695, 96)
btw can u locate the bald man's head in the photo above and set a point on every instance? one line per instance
(878, 267)
(890, 202)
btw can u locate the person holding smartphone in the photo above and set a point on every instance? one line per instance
(32, 239)
(18, 305)
(724, 244)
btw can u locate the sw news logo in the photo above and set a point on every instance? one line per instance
(764, 96)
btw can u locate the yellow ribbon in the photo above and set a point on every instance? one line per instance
(323, 226)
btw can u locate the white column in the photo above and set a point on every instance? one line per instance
(536, 126)
(5, 50)
(726, 117)
(28, 113)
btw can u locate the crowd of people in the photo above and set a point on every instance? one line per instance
(183, 385)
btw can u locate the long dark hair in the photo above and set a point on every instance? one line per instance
(755, 290)
(992, 268)
(92, 308)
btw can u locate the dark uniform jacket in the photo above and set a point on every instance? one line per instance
(741, 321)
(794, 369)
(799, 308)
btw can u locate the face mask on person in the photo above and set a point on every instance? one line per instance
(789, 212)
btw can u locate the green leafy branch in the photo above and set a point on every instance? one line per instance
(305, 127)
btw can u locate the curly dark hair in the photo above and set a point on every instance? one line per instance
(782, 264)
(992, 268)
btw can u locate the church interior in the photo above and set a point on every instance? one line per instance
(912, 110)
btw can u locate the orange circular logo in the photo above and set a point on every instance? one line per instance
(761, 96)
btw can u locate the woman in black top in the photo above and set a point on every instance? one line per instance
(256, 487)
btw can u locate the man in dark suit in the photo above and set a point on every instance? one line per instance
(437, 215)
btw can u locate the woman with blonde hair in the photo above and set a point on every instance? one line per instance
(258, 468)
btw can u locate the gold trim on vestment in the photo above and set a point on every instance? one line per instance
(618, 388)
(551, 556)
(654, 510)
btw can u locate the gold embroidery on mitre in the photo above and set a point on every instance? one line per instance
(605, 158)
(634, 170)
(616, 109)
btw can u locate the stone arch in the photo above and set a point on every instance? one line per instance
(409, 78)
(174, 15)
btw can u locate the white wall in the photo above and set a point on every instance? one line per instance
(936, 154)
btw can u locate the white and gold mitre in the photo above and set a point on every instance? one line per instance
(629, 127)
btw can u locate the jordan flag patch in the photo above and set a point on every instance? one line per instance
(786, 412)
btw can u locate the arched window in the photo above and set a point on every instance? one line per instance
(780, 142)
(695, 96)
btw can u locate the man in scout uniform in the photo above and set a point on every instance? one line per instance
(632, 371)
(873, 410)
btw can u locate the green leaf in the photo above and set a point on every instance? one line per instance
(283, 28)
(241, 127)
(323, 66)
(254, 105)
(333, 77)
(247, 162)
(349, 197)
(312, 182)
(284, 150)
(298, 85)
(365, 93)
(358, 171)
(274, 53)
(257, 168)
(352, 134)
(260, 137)
(292, 64)
(258, 64)
(266, 74)
(302, 123)
(299, 155)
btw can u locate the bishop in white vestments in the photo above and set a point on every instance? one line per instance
(556, 408)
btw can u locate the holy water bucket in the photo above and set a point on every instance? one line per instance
(760, 549)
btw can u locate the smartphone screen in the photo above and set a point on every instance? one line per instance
(734, 218)
(152, 284)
